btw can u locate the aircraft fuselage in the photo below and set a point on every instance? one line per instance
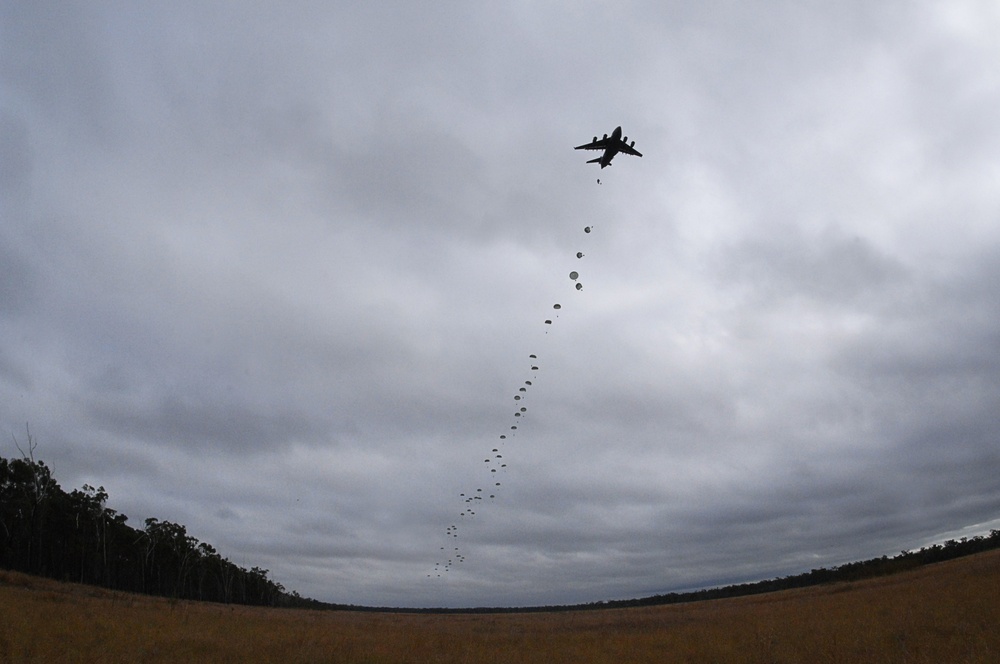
(612, 149)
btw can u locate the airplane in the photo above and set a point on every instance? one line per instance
(611, 147)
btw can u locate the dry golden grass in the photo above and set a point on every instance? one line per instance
(949, 612)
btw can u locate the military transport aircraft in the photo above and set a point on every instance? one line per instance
(611, 145)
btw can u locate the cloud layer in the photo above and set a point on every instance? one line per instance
(276, 274)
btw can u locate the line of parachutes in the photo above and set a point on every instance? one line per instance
(496, 462)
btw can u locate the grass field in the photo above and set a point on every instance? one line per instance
(943, 613)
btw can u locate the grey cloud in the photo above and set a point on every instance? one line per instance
(17, 281)
(16, 158)
(211, 427)
(827, 266)
(274, 273)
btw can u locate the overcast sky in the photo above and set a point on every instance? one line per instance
(275, 271)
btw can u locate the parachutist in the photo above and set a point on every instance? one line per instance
(598, 180)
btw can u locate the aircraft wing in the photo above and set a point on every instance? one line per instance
(625, 148)
(595, 145)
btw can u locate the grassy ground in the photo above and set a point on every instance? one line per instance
(949, 612)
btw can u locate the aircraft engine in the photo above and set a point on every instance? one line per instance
(605, 137)
(632, 144)
(595, 139)
(624, 139)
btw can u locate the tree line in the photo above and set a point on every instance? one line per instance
(856, 571)
(75, 536)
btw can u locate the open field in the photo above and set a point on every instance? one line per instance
(948, 612)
